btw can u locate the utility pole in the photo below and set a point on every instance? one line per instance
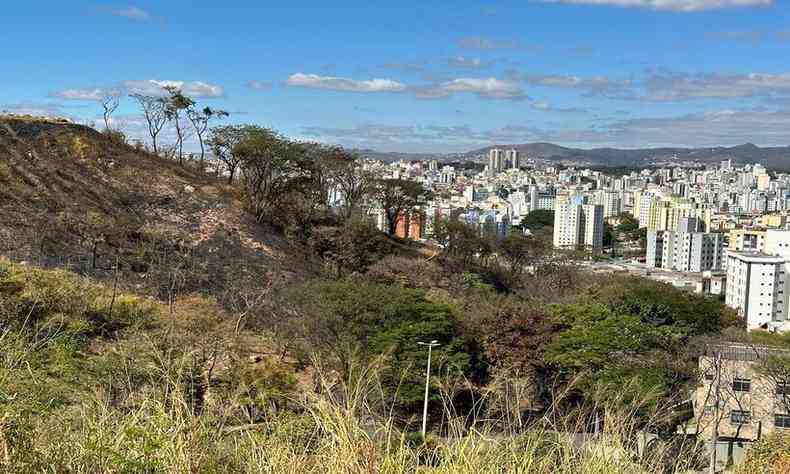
(430, 345)
(715, 438)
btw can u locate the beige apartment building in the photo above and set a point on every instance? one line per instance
(736, 399)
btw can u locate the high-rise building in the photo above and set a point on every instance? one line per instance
(758, 285)
(577, 224)
(513, 159)
(495, 160)
(755, 287)
(686, 249)
(611, 201)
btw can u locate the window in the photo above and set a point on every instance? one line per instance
(742, 385)
(782, 420)
(783, 388)
(740, 417)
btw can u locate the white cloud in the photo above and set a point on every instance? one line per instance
(260, 85)
(489, 88)
(132, 12)
(726, 127)
(465, 62)
(591, 86)
(195, 89)
(476, 42)
(686, 6)
(81, 94)
(668, 86)
(47, 109)
(314, 81)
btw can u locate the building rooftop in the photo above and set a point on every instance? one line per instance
(743, 352)
(756, 257)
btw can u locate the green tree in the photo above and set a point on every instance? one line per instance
(223, 142)
(518, 250)
(398, 196)
(344, 322)
(538, 219)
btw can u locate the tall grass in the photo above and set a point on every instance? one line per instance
(336, 430)
(88, 389)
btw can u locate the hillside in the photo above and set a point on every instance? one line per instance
(71, 196)
(773, 157)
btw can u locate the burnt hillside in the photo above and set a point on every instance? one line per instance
(72, 196)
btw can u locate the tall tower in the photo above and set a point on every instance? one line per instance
(513, 158)
(494, 161)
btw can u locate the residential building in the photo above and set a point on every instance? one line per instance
(577, 224)
(736, 399)
(756, 288)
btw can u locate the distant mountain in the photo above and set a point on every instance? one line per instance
(772, 157)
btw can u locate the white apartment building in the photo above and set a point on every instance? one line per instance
(693, 252)
(757, 283)
(577, 224)
(611, 201)
(756, 287)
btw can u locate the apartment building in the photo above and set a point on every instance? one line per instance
(577, 224)
(686, 249)
(737, 399)
(756, 287)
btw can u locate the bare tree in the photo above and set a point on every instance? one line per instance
(175, 104)
(200, 120)
(109, 103)
(154, 112)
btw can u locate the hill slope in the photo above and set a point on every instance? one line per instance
(70, 195)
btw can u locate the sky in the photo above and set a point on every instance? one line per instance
(419, 75)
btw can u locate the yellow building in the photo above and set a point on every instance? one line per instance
(667, 213)
(763, 182)
(772, 221)
(746, 240)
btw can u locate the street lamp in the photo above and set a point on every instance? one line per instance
(430, 345)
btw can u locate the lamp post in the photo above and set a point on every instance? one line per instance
(430, 345)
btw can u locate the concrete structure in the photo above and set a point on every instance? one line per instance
(513, 161)
(495, 161)
(746, 240)
(749, 405)
(611, 201)
(756, 286)
(577, 224)
(685, 250)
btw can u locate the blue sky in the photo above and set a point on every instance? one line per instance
(422, 76)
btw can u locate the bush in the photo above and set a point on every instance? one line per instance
(770, 455)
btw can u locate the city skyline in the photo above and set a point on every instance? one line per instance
(422, 78)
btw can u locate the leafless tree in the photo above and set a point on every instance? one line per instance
(200, 120)
(175, 104)
(154, 113)
(109, 103)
